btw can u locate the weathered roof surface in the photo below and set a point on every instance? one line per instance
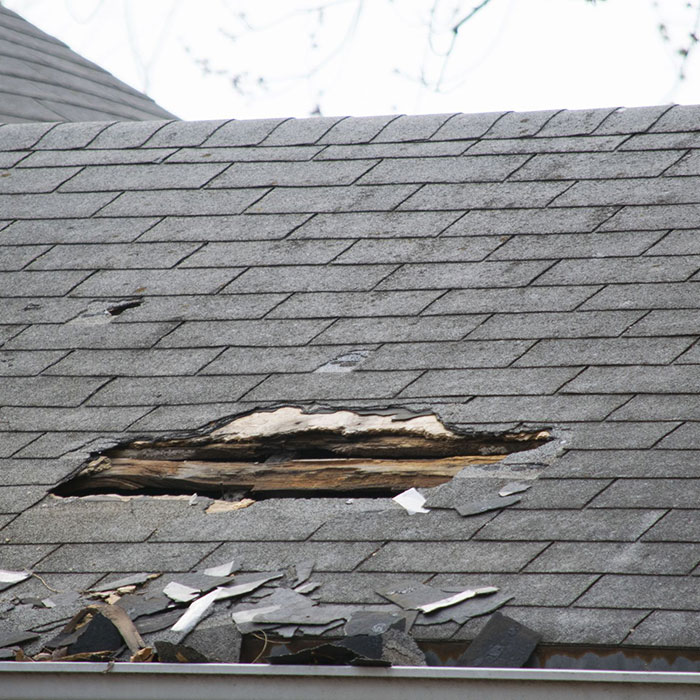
(42, 79)
(502, 270)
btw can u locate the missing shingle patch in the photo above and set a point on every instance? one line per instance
(291, 452)
(102, 311)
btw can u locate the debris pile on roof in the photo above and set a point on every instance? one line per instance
(201, 616)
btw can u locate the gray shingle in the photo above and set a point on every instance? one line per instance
(113, 256)
(672, 322)
(614, 351)
(114, 156)
(588, 626)
(151, 391)
(126, 134)
(574, 122)
(82, 418)
(54, 205)
(580, 324)
(560, 493)
(659, 407)
(15, 499)
(445, 169)
(640, 191)
(297, 174)
(67, 136)
(176, 202)
(273, 359)
(676, 526)
(515, 300)
(224, 228)
(180, 134)
(245, 253)
(497, 222)
(665, 628)
(527, 588)
(677, 243)
(243, 154)
(467, 557)
(203, 307)
(486, 382)
(616, 270)
(75, 231)
(7, 332)
(662, 592)
(17, 137)
(11, 442)
(467, 126)
(688, 165)
(653, 217)
(356, 129)
(25, 284)
(499, 353)
(376, 225)
(354, 385)
(629, 463)
(691, 357)
(417, 128)
(613, 557)
(185, 417)
(644, 296)
(599, 166)
(34, 180)
(554, 144)
(266, 556)
(161, 176)
(46, 391)
(592, 436)
(631, 120)
(130, 282)
(464, 275)
(397, 525)
(23, 556)
(660, 142)
(125, 558)
(330, 199)
(687, 436)
(519, 124)
(352, 304)
(28, 363)
(192, 334)
(410, 149)
(399, 329)
(16, 257)
(242, 132)
(651, 380)
(678, 118)
(570, 525)
(9, 158)
(485, 196)
(309, 278)
(576, 245)
(299, 131)
(57, 444)
(649, 493)
(51, 336)
(130, 363)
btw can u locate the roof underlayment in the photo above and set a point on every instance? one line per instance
(507, 272)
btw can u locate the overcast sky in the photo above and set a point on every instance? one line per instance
(201, 60)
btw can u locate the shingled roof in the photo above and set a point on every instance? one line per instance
(42, 79)
(506, 271)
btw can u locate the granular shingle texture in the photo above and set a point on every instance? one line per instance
(503, 271)
(43, 80)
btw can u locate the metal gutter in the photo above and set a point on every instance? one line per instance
(87, 681)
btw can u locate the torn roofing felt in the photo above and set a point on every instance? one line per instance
(504, 271)
(290, 451)
(43, 80)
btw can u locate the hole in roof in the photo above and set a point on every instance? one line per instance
(292, 452)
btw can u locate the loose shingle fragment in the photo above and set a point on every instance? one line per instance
(503, 643)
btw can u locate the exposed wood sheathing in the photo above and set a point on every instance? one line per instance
(287, 450)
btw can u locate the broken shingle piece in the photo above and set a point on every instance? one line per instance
(456, 598)
(370, 622)
(225, 569)
(472, 607)
(485, 505)
(412, 501)
(503, 643)
(131, 580)
(180, 593)
(513, 487)
(10, 578)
